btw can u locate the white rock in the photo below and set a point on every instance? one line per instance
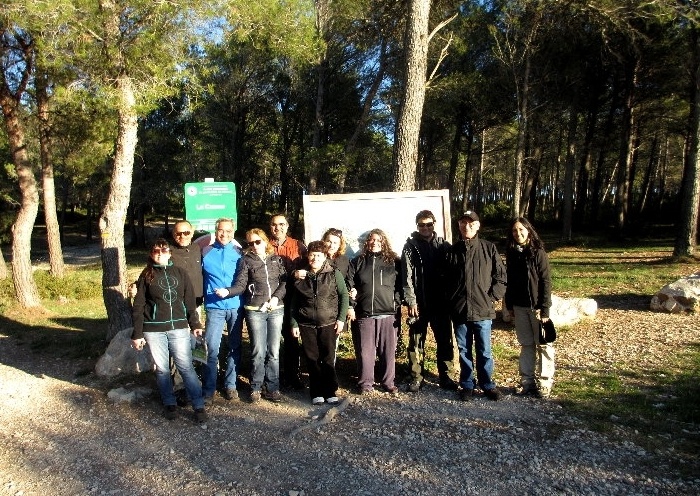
(120, 357)
(680, 296)
(568, 311)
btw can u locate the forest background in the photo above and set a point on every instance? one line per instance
(579, 115)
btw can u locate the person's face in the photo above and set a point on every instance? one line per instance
(182, 233)
(224, 232)
(375, 243)
(468, 228)
(334, 244)
(278, 227)
(259, 245)
(316, 259)
(520, 233)
(426, 227)
(160, 255)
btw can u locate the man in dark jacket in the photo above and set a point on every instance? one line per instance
(423, 291)
(188, 256)
(477, 278)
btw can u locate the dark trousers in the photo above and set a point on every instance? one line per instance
(375, 337)
(442, 331)
(318, 344)
(291, 351)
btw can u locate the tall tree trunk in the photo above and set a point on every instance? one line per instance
(53, 231)
(627, 141)
(455, 150)
(26, 290)
(113, 217)
(522, 135)
(570, 165)
(686, 241)
(408, 124)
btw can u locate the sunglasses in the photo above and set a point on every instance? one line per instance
(183, 233)
(426, 224)
(256, 241)
(158, 251)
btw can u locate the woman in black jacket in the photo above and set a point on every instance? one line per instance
(163, 312)
(528, 299)
(376, 290)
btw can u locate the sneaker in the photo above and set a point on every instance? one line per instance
(414, 386)
(466, 394)
(318, 400)
(274, 396)
(230, 394)
(543, 392)
(200, 415)
(333, 400)
(448, 384)
(255, 396)
(393, 390)
(170, 412)
(492, 394)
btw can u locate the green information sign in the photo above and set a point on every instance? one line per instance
(207, 202)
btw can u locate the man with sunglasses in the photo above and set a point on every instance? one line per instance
(188, 256)
(421, 277)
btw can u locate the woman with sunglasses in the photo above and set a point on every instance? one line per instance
(163, 314)
(262, 281)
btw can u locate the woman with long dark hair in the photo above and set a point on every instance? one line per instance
(528, 299)
(163, 313)
(377, 293)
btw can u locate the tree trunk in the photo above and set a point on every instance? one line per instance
(114, 273)
(686, 241)
(26, 290)
(570, 165)
(408, 124)
(626, 149)
(522, 134)
(53, 231)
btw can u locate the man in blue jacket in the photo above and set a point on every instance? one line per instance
(219, 264)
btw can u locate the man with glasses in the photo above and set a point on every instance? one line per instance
(476, 279)
(421, 276)
(219, 267)
(293, 253)
(188, 256)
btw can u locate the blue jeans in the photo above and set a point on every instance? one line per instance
(479, 333)
(216, 318)
(176, 343)
(265, 332)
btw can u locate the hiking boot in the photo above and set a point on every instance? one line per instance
(466, 394)
(274, 396)
(448, 384)
(492, 394)
(230, 394)
(170, 412)
(414, 386)
(526, 391)
(255, 396)
(543, 392)
(200, 415)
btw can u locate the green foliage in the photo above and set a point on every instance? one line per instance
(499, 211)
(75, 285)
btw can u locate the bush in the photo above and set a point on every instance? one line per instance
(83, 284)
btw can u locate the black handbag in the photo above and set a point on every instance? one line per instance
(548, 334)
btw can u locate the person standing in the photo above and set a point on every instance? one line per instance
(262, 279)
(528, 299)
(423, 291)
(188, 256)
(219, 264)
(375, 282)
(476, 279)
(293, 253)
(163, 314)
(319, 306)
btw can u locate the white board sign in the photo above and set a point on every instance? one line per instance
(358, 213)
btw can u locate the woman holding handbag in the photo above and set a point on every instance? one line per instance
(528, 299)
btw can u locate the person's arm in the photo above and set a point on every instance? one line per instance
(499, 278)
(240, 284)
(343, 301)
(281, 291)
(407, 275)
(545, 284)
(137, 311)
(190, 301)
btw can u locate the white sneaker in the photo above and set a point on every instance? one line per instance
(318, 400)
(333, 400)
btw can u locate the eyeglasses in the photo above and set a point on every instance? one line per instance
(159, 251)
(426, 224)
(255, 241)
(227, 231)
(183, 233)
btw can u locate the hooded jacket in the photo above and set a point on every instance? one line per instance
(377, 283)
(476, 279)
(259, 280)
(164, 304)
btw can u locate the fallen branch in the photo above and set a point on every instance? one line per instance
(327, 417)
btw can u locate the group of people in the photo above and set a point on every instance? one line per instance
(287, 291)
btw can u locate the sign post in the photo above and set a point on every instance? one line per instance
(206, 202)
